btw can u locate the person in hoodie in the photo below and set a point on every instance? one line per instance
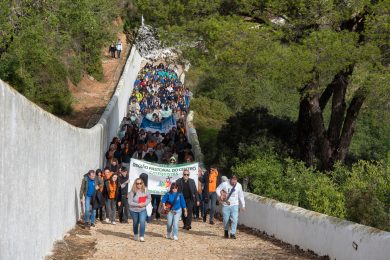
(110, 193)
(88, 186)
(123, 203)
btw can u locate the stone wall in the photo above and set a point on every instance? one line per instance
(322, 234)
(42, 161)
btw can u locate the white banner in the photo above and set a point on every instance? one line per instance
(160, 176)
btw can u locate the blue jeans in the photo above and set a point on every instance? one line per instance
(230, 212)
(213, 204)
(139, 219)
(88, 214)
(173, 222)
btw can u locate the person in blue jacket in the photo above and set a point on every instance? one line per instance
(173, 201)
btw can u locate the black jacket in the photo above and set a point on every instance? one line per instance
(97, 200)
(106, 189)
(122, 191)
(194, 191)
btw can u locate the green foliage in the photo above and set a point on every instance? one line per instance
(292, 182)
(208, 142)
(242, 58)
(360, 194)
(209, 113)
(250, 132)
(44, 43)
(368, 190)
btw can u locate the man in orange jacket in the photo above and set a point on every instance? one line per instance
(211, 180)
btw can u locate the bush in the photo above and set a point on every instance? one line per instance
(292, 182)
(209, 113)
(367, 193)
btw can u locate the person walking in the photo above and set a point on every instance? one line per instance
(211, 180)
(99, 210)
(123, 202)
(112, 50)
(110, 193)
(174, 203)
(139, 198)
(89, 184)
(187, 187)
(200, 210)
(231, 195)
(118, 48)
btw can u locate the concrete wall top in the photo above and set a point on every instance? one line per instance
(325, 235)
(42, 161)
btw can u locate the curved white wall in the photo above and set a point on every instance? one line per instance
(320, 233)
(42, 160)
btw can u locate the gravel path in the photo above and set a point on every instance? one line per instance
(203, 241)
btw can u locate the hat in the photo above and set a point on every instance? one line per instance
(150, 150)
(172, 158)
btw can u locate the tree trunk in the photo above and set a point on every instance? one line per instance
(319, 131)
(349, 126)
(305, 136)
(332, 143)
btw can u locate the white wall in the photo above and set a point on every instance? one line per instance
(42, 160)
(320, 233)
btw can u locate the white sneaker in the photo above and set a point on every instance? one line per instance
(169, 236)
(142, 239)
(114, 223)
(135, 237)
(175, 238)
(107, 220)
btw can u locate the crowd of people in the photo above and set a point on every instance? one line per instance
(158, 94)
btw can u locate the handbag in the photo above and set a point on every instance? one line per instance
(168, 206)
(225, 197)
(149, 209)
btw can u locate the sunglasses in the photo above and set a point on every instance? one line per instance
(186, 175)
(139, 183)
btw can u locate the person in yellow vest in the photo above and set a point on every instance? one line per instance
(138, 95)
(210, 180)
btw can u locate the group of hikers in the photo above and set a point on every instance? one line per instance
(104, 192)
(158, 94)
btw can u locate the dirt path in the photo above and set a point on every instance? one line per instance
(92, 96)
(203, 241)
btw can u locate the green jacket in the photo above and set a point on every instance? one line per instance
(84, 185)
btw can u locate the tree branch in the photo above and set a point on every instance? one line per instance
(350, 125)
(340, 84)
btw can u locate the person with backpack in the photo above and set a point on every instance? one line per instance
(173, 203)
(89, 185)
(139, 198)
(230, 194)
